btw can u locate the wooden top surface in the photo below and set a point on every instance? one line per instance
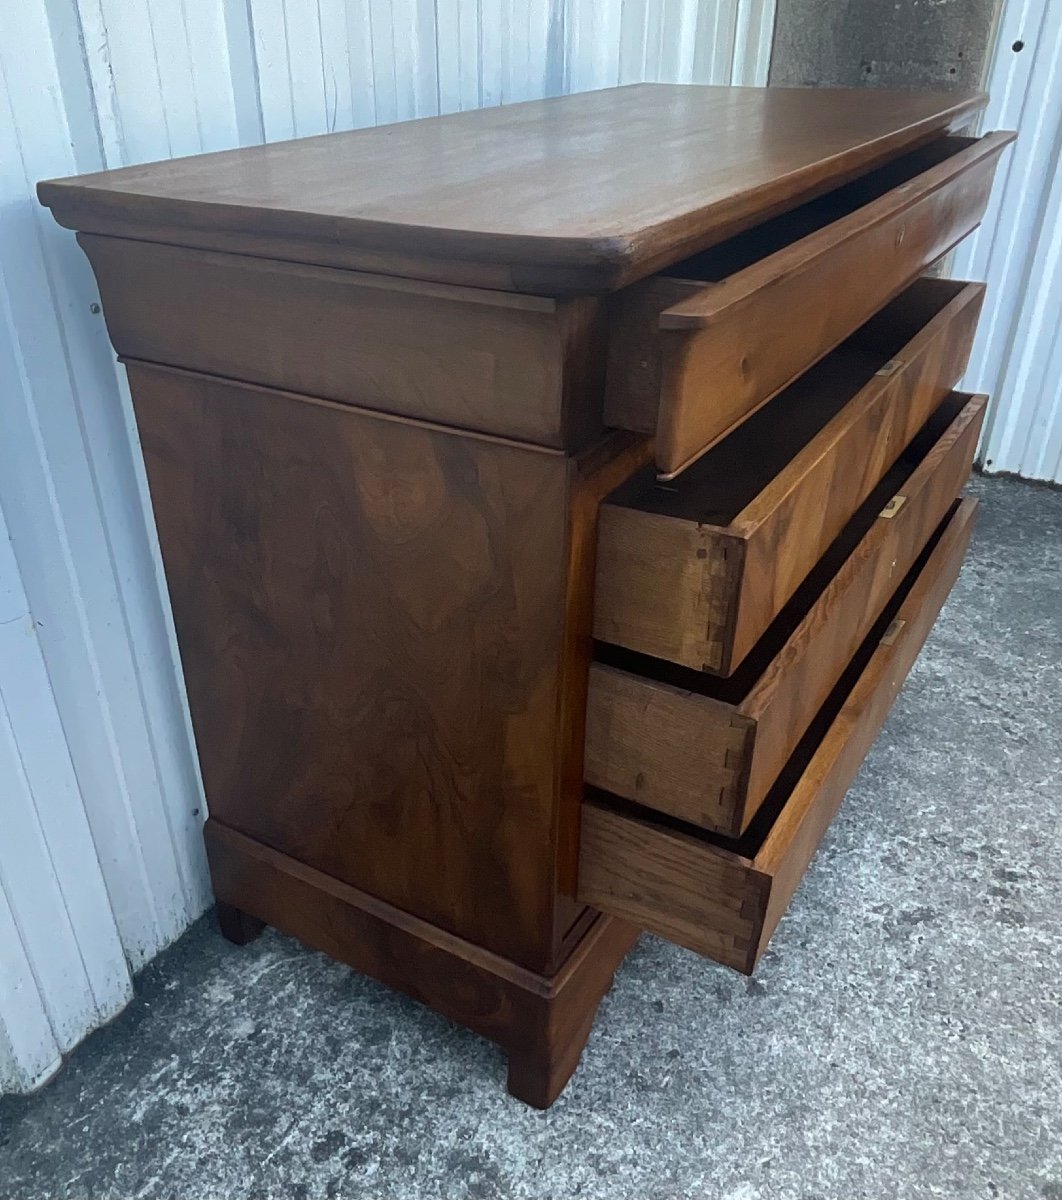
(582, 192)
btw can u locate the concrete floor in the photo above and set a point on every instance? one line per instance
(902, 1038)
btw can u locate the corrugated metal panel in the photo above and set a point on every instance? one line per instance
(100, 798)
(62, 968)
(100, 862)
(1017, 357)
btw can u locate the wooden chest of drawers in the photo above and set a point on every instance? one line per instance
(552, 500)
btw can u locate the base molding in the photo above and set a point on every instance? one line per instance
(541, 1021)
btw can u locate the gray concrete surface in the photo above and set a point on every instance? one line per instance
(903, 1037)
(902, 44)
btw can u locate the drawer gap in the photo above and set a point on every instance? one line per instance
(716, 488)
(761, 241)
(748, 844)
(734, 688)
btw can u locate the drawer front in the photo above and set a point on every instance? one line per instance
(724, 900)
(678, 581)
(709, 753)
(524, 367)
(726, 347)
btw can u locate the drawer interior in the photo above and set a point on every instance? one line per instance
(733, 689)
(761, 241)
(723, 482)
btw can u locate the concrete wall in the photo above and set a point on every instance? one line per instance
(867, 43)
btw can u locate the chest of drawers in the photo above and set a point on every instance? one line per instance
(552, 501)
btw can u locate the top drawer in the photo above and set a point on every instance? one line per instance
(694, 351)
(521, 367)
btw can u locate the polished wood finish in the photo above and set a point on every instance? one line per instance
(696, 571)
(343, 582)
(541, 1021)
(708, 750)
(523, 367)
(724, 899)
(579, 193)
(728, 340)
(592, 476)
(369, 372)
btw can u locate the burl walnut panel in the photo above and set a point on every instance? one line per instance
(370, 620)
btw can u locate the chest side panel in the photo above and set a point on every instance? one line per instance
(369, 615)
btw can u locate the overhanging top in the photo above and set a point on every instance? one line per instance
(579, 193)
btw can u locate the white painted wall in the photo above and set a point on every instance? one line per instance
(1017, 357)
(100, 803)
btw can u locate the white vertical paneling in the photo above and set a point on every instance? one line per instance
(634, 32)
(336, 75)
(713, 43)
(99, 791)
(29, 1053)
(1016, 353)
(359, 63)
(404, 71)
(275, 87)
(753, 34)
(1026, 433)
(68, 488)
(101, 862)
(53, 888)
(239, 49)
(306, 68)
(491, 17)
(592, 45)
(458, 55)
(529, 56)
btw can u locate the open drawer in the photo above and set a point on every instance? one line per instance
(694, 351)
(721, 898)
(694, 571)
(709, 750)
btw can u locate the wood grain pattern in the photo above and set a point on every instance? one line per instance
(668, 748)
(695, 571)
(708, 751)
(369, 617)
(591, 477)
(541, 1021)
(724, 900)
(524, 367)
(368, 372)
(800, 676)
(790, 523)
(727, 347)
(578, 193)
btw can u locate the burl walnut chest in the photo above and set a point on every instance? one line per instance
(552, 499)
